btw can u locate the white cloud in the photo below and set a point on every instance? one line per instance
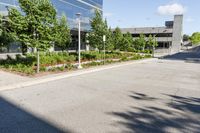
(171, 9)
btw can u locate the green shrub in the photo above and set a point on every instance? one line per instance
(61, 68)
(124, 58)
(92, 55)
(131, 50)
(69, 66)
(71, 58)
(148, 56)
(92, 64)
(27, 64)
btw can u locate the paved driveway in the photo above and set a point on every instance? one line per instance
(158, 96)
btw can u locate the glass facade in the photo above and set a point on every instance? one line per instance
(68, 7)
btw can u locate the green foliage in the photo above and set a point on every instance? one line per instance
(98, 29)
(62, 33)
(127, 42)
(27, 64)
(92, 64)
(20, 64)
(109, 40)
(1, 24)
(94, 55)
(117, 38)
(49, 59)
(141, 42)
(195, 38)
(152, 43)
(91, 55)
(33, 26)
(5, 37)
(186, 37)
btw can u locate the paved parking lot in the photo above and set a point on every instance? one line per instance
(158, 96)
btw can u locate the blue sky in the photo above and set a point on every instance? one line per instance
(143, 13)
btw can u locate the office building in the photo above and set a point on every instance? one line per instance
(68, 7)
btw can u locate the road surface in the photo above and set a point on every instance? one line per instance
(154, 97)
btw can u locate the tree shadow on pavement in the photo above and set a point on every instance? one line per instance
(13, 119)
(189, 56)
(140, 96)
(182, 115)
(189, 104)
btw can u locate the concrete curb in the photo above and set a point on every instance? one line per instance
(77, 73)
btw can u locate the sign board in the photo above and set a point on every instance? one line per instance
(104, 38)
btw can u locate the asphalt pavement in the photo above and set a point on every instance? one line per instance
(154, 97)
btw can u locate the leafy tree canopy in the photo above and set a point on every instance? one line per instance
(152, 42)
(62, 33)
(99, 28)
(33, 26)
(195, 38)
(140, 42)
(109, 45)
(118, 38)
(127, 42)
(5, 38)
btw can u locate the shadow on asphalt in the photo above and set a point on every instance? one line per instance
(13, 119)
(140, 96)
(190, 104)
(189, 56)
(150, 119)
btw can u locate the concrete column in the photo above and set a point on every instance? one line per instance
(177, 33)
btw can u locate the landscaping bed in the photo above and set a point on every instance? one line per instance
(63, 61)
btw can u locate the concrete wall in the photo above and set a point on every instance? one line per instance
(177, 33)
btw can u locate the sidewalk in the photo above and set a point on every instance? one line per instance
(12, 81)
(7, 78)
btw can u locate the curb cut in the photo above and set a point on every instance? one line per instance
(74, 74)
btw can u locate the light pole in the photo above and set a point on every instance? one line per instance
(79, 40)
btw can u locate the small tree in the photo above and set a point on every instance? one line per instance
(62, 33)
(109, 37)
(151, 43)
(195, 38)
(34, 28)
(127, 42)
(98, 29)
(5, 38)
(34, 25)
(117, 38)
(141, 42)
